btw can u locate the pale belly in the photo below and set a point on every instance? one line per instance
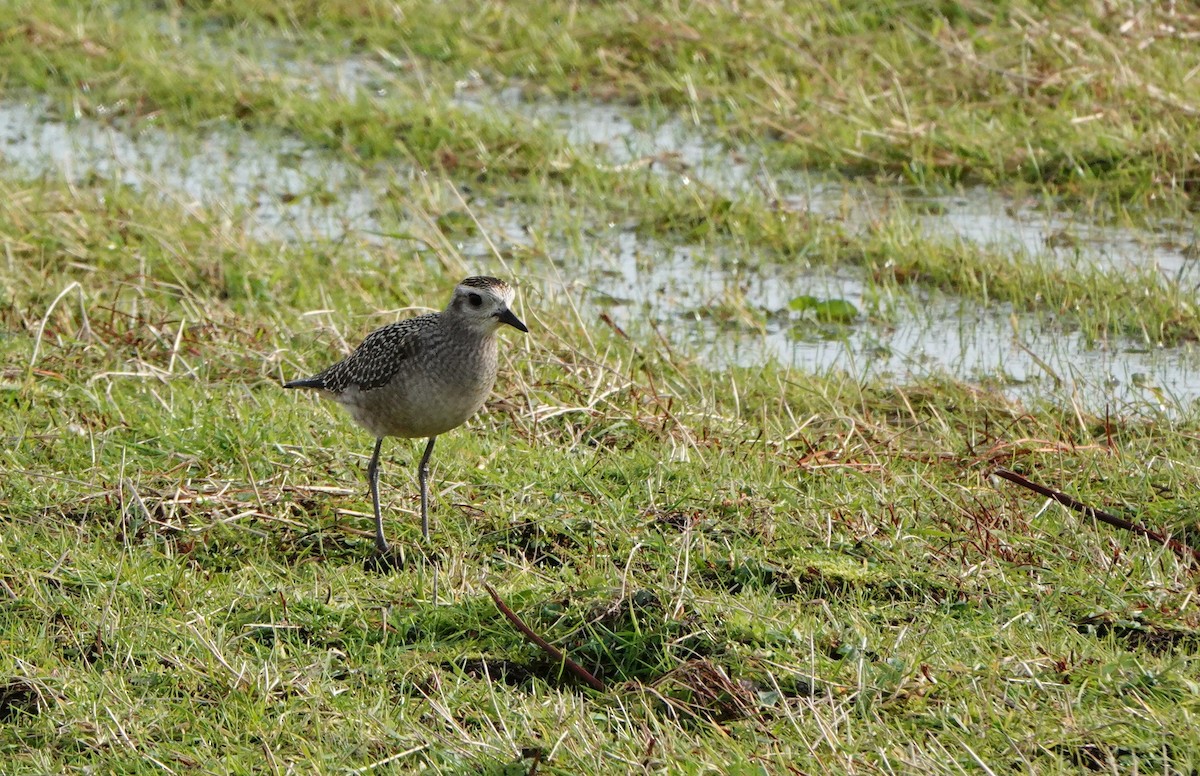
(420, 408)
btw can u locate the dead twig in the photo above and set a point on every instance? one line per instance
(546, 646)
(1180, 549)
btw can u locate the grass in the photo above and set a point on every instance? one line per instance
(119, 64)
(771, 570)
(1087, 100)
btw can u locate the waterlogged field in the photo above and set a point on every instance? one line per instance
(799, 281)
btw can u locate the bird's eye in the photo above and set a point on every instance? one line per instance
(475, 299)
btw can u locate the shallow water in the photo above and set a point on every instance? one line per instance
(933, 334)
(626, 135)
(287, 190)
(708, 305)
(1026, 227)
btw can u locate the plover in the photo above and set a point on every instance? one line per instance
(422, 376)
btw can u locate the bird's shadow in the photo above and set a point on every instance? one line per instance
(397, 558)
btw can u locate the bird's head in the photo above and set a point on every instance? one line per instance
(483, 303)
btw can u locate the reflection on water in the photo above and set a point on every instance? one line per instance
(710, 306)
(289, 190)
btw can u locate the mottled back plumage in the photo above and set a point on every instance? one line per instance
(376, 361)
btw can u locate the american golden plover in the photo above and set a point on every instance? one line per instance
(422, 376)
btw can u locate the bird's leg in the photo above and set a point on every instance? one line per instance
(423, 478)
(373, 481)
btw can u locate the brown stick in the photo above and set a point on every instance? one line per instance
(1180, 549)
(546, 646)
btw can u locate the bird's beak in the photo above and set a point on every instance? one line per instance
(512, 320)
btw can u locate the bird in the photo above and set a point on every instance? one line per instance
(421, 377)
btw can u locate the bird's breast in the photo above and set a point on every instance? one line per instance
(439, 390)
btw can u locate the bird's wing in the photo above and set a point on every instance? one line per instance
(377, 360)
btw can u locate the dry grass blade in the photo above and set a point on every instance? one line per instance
(546, 646)
(1180, 549)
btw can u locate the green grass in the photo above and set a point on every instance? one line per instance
(804, 571)
(769, 569)
(1087, 100)
(264, 73)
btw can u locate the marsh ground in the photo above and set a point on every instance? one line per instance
(724, 472)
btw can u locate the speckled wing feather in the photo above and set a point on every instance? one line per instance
(375, 362)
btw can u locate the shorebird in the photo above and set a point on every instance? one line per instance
(421, 377)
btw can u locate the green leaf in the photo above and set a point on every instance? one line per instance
(825, 310)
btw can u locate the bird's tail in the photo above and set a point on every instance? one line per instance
(317, 382)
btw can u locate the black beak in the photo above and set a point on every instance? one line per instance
(512, 320)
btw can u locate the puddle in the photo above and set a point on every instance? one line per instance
(350, 78)
(696, 302)
(622, 135)
(732, 316)
(1021, 356)
(626, 135)
(714, 309)
(288, 190)
(630, 136)
(984, 217)
(706, 305)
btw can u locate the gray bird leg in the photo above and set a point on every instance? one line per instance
(423, 477)
(373, 481)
